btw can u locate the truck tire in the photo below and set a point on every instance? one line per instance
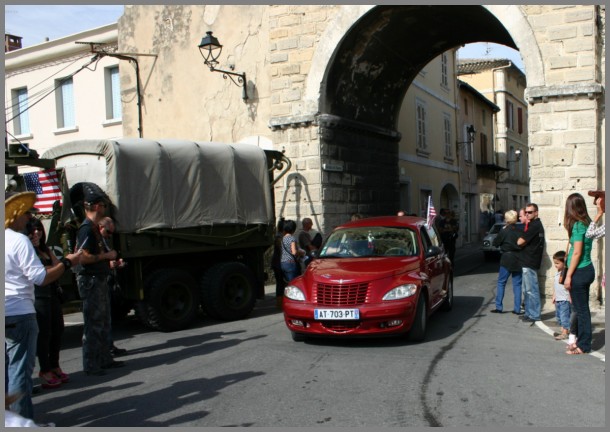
(228, 291)
(171, 300)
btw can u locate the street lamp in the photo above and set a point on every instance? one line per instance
(210, 50)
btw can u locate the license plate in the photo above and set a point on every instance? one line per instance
(336, 314)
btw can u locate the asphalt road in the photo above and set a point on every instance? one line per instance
(474, 369)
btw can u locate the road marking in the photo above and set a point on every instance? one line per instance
(542, 326)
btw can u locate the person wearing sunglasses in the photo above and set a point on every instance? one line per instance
(531, 242)
(92, 281)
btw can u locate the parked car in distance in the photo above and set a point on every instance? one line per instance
(489, 250)
(372, 277)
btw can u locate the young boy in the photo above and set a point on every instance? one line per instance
(561, 298)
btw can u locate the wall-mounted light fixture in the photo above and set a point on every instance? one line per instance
(210, 50)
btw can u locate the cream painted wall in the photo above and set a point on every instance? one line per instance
(38, 67)
(428, 171)
(176, 84)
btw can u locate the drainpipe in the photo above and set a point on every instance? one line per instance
(504, 135)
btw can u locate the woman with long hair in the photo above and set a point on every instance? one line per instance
(580, 274)
(48, 313)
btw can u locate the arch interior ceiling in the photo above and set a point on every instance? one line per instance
(380, 56)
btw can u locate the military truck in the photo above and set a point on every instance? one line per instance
(193, 221)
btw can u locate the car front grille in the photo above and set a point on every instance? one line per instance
(341, 294)
(340, 326)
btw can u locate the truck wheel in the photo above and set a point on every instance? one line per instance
(228, 291)
(171, 300)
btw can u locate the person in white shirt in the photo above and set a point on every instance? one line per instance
(23, 270)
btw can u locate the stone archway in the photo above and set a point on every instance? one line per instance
(361, 70)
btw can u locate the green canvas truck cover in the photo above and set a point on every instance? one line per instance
(172, 183)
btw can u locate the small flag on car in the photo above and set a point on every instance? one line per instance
(45, 184)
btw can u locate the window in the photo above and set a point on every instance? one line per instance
(447, 135)
(484, 151)
(21, 122)
(465, 106)
(64, 101)
(422, 141)
(511, 165)
(509, 116)
(113, 93)
(520, 120)
(444, 73)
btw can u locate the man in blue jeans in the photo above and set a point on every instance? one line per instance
(531, 242)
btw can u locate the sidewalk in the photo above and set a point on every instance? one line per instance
(468, 257)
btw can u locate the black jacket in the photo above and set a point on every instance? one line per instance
(507, 241)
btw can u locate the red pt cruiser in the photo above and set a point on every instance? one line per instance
(372, 277)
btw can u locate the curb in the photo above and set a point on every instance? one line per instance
(541, 325)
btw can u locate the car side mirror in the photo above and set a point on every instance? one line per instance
(433, 251)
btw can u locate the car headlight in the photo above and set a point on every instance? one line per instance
(294, 293)
(400, 292)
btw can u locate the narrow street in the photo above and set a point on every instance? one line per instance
(474, 369)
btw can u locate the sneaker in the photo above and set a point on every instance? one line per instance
(116, 351)
(48, 380)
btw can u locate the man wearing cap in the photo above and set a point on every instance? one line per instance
(92, 282)
(23, 270)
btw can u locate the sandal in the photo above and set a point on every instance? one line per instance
(571, 346)
(561, 336)
(49, 380)
(63, 377)
(575, 351)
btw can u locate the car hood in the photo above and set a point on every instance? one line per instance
(357, 270)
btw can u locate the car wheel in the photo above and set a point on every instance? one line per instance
(297, 337)
(488, 256)
(448, 302)
(418, 329)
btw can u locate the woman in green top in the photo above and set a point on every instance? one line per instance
(581, 273)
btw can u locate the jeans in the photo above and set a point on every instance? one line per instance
(532, 293)
(94, 291)
(21, 349)
(562, 312)
(290, 270)
(581, 282)
(503, 275)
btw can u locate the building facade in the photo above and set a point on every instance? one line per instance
(60, 91)
(326, 84)
(503, 83)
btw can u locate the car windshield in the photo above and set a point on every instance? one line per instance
(369, 242)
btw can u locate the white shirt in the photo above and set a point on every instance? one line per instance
(22, 270)
(561, 294)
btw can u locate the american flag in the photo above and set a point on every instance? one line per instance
(47, 188)
(431, 212)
